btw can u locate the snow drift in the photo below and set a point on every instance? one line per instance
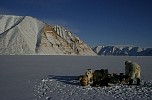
(122, 50)
(24, 35)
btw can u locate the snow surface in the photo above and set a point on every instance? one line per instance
(55, 78)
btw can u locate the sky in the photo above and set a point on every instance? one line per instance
(96, 22)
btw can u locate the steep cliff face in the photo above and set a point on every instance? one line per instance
(22, 35)
(122, 50)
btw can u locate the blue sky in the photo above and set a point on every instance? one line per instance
(96, 22)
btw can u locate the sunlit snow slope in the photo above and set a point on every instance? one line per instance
(24, 35)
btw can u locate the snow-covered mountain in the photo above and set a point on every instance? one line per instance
(24, 35)
(122, 50)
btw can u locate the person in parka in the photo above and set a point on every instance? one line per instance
(132, 70)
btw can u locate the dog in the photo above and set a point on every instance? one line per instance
(102, 82)
(118, 79)
(89, 74)
(84, 80)
(98, 75)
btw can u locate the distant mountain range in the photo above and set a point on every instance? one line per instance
(122, 51)
(24, 35)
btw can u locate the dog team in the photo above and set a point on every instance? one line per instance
(103, 78)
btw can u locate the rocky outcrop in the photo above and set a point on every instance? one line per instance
(24, 35)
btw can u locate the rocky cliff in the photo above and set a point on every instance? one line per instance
(24, 35)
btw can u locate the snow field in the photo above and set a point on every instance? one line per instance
(55, 78)
(68, 88)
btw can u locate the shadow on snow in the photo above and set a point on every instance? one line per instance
(72, 80)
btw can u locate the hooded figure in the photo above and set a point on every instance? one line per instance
(133, 71)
